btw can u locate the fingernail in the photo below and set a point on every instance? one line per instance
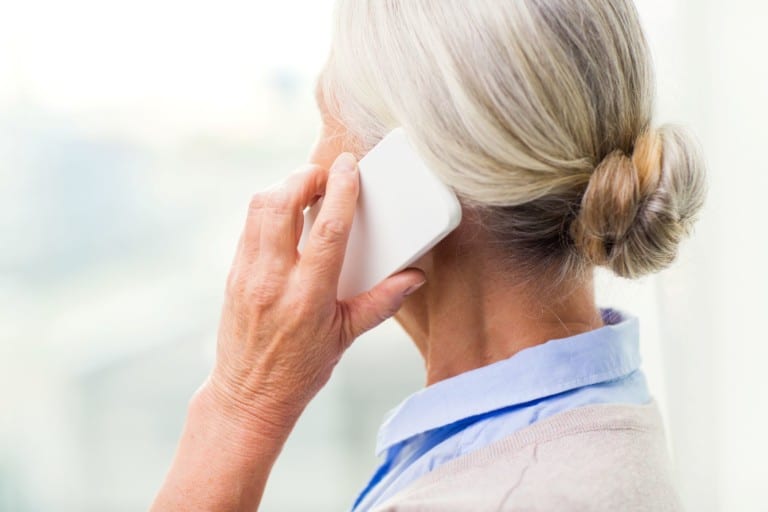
(346, 162)
(413, 288)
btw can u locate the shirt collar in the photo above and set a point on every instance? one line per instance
(556, 366)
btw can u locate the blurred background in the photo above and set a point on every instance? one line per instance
(132, 135)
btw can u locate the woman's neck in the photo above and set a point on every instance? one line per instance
(467, 316)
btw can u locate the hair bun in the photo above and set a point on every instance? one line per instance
(636, 209)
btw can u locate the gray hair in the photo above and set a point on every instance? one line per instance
(536, 112)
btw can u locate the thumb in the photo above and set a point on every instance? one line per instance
(369, 309)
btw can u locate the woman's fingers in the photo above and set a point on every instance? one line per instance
(324, 252)
(369, 309)
(275, 215)
(284, 206)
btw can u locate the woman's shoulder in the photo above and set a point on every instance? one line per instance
(597, 457)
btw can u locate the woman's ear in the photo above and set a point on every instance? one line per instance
(328, 145)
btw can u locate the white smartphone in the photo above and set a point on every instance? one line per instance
(403, 211)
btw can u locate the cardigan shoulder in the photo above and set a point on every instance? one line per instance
(594, 458)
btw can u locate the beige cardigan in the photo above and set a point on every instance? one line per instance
(595, 458)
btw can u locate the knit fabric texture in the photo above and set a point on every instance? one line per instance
(608, 457)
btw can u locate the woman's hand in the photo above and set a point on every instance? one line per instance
(282, 332)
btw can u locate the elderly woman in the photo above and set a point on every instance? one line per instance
(538, 114)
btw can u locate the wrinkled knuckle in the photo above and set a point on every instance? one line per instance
(332, 231)
(369, 300)
(234, 285)
(279, 200)
(265, 293)
(300, 173)
(258, 201)
(237, 291)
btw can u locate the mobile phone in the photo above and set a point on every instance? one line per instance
(403, 210)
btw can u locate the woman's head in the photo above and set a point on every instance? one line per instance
(537, 113)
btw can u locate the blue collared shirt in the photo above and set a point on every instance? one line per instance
(471, 410)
